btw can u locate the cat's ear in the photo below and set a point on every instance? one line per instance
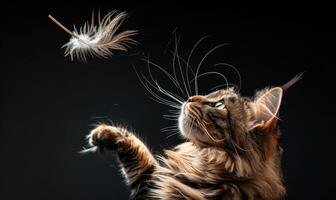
(266, 107)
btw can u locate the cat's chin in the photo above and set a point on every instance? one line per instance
(189, 129)
(186, 127)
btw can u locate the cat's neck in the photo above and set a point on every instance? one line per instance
(227, 163)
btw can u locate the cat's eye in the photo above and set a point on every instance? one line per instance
(219, 104)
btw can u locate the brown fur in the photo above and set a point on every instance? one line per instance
(231, 151)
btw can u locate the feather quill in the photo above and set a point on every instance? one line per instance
(99, 39)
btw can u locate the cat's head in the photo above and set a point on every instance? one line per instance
(224, 118)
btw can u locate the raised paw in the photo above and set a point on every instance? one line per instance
(104, 136)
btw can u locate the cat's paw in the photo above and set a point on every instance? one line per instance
(105, 137)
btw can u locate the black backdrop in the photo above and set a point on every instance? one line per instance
(48, 102)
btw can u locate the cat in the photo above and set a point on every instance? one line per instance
(231, 150)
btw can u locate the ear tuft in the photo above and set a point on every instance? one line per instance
(266, 106)
(292, 81)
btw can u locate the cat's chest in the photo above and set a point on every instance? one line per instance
(201, 166)
(207, 170)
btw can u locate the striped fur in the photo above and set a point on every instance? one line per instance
(229, 154)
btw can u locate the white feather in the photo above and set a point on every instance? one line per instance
(99, 39)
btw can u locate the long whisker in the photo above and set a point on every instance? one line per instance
(202, 126)
(163, 103)
(189, 57)
(235, 69)
(191, 125)
(169, 128)
(174, 67)
(188, 69)
(214, 73)
(240, 148)
(163, 91)
(225, 84)
(201, 62)
(164, 71)
(174, 133)
(172, 115)
(177, 112)
(184, 61)
(180, 67)
(160, 89)
(172, 118)
(233, 144)
(162, 100)
(209, 135)
(178, 99)
(158, 98)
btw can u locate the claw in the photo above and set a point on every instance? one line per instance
(88, 150)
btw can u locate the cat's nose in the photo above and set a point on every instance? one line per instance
(195, 99)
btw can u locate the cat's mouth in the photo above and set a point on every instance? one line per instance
(191, 120)
(194, 124)
(193, 112)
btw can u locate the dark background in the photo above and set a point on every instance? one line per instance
(49, 103)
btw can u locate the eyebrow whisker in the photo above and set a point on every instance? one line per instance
(201, 62)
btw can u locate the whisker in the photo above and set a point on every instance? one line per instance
(208, 134)
(214, 73)
(178, 99)
(201, 62)
(225, 84)
(233, 144)
(174, 111)
(163, 91)
(188, 68)
(174, 133)
(174, 62)
(191, 125)
(202, 126)
(163, 103)
(164, 71)
(168, 128)
(240, 148)
(173, 118)
(174, 69)
(235, 69)
(158, 98)
(175, 115)
(175, 97)
(189, 57)
(180, 66)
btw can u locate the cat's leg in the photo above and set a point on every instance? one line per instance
(136, 160)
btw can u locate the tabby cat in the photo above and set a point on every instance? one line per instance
(231, 150)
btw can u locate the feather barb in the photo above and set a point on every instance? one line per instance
(99, 40)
